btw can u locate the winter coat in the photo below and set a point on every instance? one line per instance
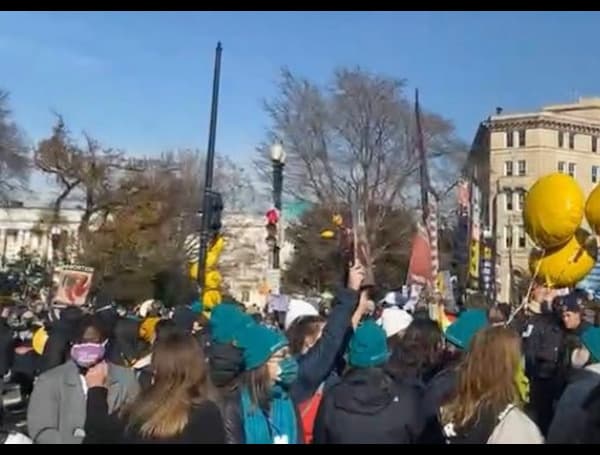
(368, 407)
(568, 423)
(7, 346)
(57, 407)
(204, 426)
(231, 410)
(511, 426)
(316, 365)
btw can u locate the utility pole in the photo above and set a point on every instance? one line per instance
(208, 177)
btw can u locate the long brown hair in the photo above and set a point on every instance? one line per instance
(257, 382)
(180, 381)
(486, 377)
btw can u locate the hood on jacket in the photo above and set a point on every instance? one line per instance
(365, 391)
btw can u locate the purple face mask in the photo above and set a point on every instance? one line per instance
(86, 355)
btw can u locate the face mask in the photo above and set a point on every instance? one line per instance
(86, 355)
(288, 371)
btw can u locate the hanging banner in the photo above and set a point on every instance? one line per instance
(475, 247)
(486, 276)
(74, 284)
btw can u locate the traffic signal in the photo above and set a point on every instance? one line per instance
(214, 212)
(272, 220)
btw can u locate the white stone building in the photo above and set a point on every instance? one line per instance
(31, 229)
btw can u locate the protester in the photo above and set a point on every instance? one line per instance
(176, 408)
(368, 406)
(262, 411)
(418, 356)
(60, 335)
(545, 357)
(569, 423)
(492, 388)
(57, 407)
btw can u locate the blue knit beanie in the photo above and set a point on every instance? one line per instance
(591, 340)
(469, 322)
(226, 322)
(368, 346)
(258, 343)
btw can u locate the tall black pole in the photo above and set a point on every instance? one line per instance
(277, 194)
(208, 176)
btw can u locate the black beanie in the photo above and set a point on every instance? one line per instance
(226, 363)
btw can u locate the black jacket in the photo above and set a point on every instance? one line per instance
(368, 407)
(205, 425)
(231, 409)
(321, 360)
(7, 347)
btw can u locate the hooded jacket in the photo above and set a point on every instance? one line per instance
(368, 407)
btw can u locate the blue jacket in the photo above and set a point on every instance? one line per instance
(320, 362)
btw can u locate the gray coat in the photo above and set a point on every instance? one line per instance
(57, 406)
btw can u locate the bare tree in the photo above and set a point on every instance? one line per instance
(353, 142)
(14, 154)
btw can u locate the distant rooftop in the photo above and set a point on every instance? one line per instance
(584, 110)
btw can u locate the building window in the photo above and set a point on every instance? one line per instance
(594, 174)
(522, 168)
(521, 237)
(572, 169)
(561, 167)
(520, 200)
(594, 144)
(510, 138)
(561, 139)
(571, 140)
(508, 200)
(521, 138)
(245, 296)
(508, 236)
(508, 168)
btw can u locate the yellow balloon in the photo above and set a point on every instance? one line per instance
(553, 210)
(592, 209)
(567, 265)
(211, 299)
(194, 271)
(39, 339)
(212, 279)
(214, 252)
(327, 234)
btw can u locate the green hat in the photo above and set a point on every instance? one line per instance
(469, 322)
(227, 320)
(368, 346)
(260, 342)
(591, 340)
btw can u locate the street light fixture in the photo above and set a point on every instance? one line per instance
(278, 153)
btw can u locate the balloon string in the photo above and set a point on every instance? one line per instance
(529, 291)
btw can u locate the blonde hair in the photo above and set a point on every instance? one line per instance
(486, 377)
(180, 382)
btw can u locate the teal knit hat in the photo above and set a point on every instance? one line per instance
(227, 321)
(258, 343)
(469, 322)
(591, 340)
(368, 346)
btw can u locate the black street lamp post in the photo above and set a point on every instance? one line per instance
(208, 179)
(278, 160)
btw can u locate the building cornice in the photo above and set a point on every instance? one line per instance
(544, 121)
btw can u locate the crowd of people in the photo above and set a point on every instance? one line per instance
(363, 373)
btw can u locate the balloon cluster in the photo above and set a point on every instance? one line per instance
(212, 277)
(553, 211)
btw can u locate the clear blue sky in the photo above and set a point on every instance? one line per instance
(142, 81)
